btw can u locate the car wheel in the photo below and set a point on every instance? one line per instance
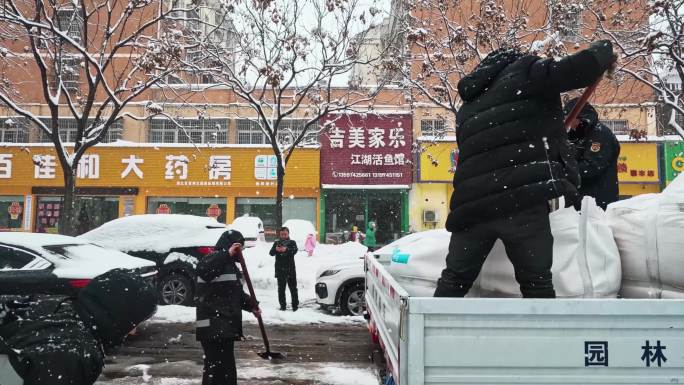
(175, 289)
(352, 300)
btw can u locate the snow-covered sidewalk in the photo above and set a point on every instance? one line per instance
(262, 272)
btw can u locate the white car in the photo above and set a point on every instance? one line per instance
(252, 228)
(341, 285)
(299, 229)
(57, 264)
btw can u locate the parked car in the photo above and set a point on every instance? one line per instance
(299, 229)
(36, 264)
(173, 242)
(252, 228)
(340, 285)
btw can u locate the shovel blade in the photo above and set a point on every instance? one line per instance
(271, 355)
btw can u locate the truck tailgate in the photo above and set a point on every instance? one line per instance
(530, 341)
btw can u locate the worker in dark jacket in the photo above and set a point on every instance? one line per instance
(66, 346)
(514, 157)
(596, 150)
(220, 300)
(284, 250)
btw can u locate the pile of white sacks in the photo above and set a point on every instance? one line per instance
(635, 249)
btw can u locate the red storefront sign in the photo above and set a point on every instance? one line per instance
(367, 149)
(214, 211)
(163, 209)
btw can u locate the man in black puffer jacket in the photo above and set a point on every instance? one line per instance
(514, 157)
(597, 151)
(220, 301)
(66, 347)
(284, 251)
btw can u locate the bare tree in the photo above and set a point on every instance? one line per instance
(85, 60)
(650, 38)
(291, 59)
(447, 39)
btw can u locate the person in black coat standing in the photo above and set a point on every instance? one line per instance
(67, 345)
(597, 150)
(514, 157)
(220, 300)
(284, 250)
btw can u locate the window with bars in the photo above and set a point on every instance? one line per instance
(189, 131)
(433, 127)
(248, 132)
(14, 130)
(619, 126)
(569, 27)
(68, 130)
(290, 130)
(69, 20)
(70, 71)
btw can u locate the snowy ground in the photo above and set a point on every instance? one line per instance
(321, 348)
(261, 270)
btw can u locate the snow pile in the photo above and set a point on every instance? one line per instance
(648, 230)
(261, 267)
(299, 229)
(249, 227)
(323, 374)
(157, 232)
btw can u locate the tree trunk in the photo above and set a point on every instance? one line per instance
(279, 191)
(67, 218)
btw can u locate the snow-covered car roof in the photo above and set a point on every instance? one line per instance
(73, 257)
(250, 227)
(157, 232)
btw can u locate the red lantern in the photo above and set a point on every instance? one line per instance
(163, 209)
(214, 211)
(15, 210)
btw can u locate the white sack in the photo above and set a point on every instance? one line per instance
(649, 232)
(586, 260)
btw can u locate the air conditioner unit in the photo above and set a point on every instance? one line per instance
(430, 216)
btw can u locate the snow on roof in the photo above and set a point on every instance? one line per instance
(157, 232)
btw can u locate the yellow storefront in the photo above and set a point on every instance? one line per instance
(114, 181)
(638, 168)
(429, 197)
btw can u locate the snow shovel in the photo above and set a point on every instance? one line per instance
(268, 354)
(580, 104)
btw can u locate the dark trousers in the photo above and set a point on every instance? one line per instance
(289, 280)
(219, 362)
(527, 238)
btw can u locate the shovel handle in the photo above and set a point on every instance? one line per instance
(581, 103)
(252, 295)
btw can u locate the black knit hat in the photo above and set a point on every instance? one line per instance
(228, 238)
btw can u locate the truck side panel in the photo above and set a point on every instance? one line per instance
(514, 341)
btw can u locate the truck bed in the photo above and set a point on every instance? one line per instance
(523, 341)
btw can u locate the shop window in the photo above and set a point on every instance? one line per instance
(14, 130)
(91, 212)
(68, 130)
(201, 207)
(264, 208)
(569, 26)
(11, 212)
(189, 131)
(348, 208)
